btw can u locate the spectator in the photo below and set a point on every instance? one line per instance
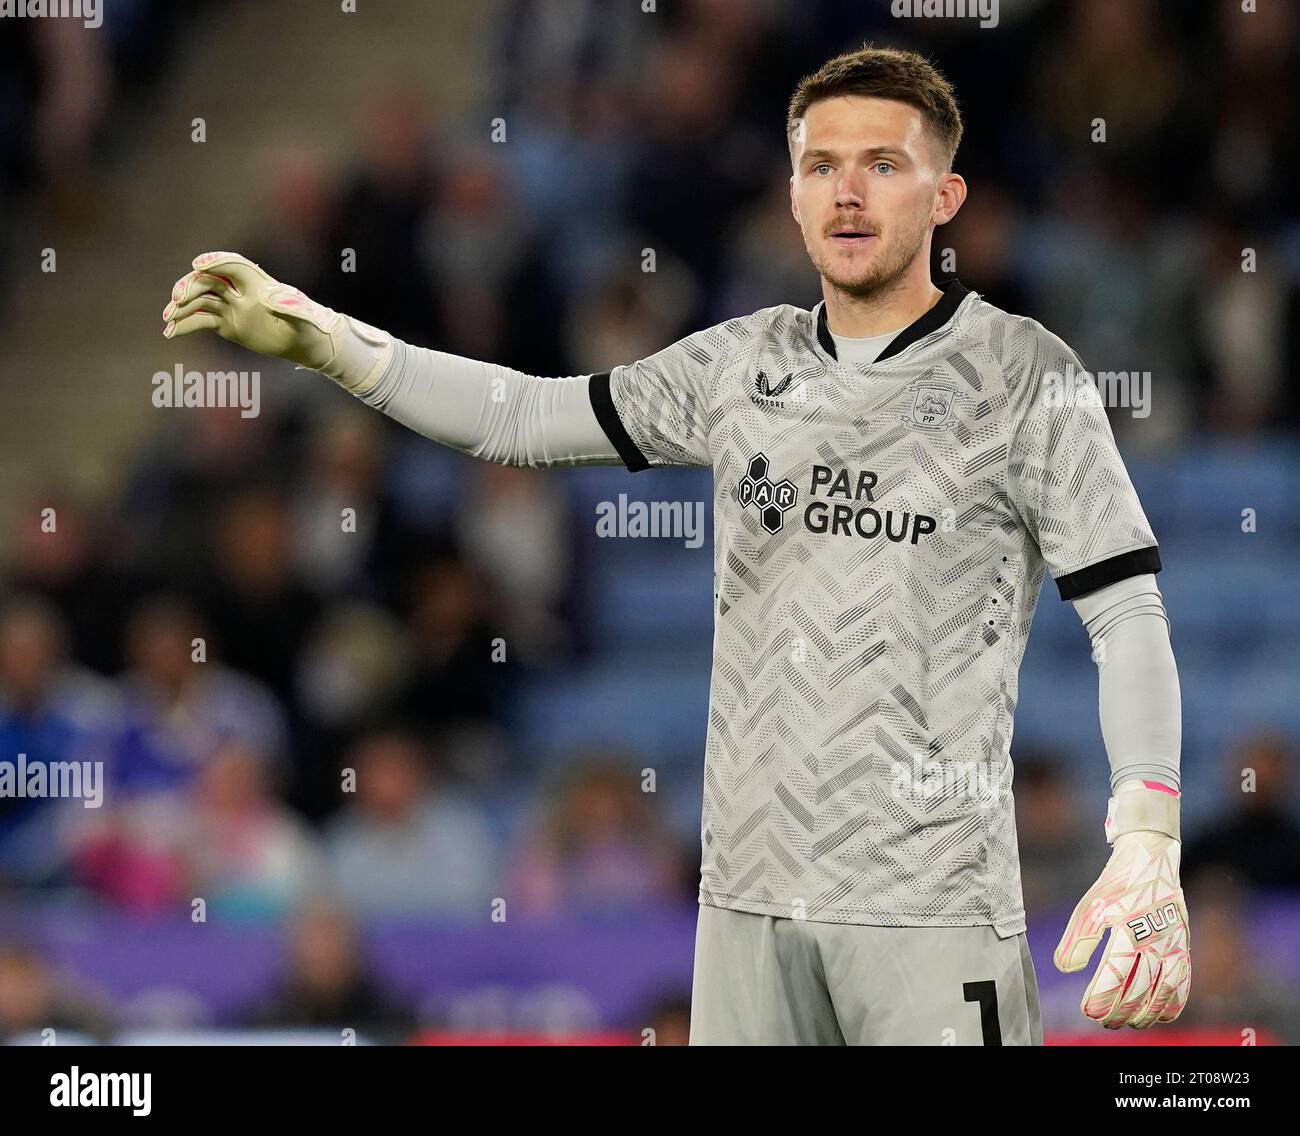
(515, 529)
(328, 985)
(460, 672)
(1257, 841)
(598, 848)
(180, 709)
(247, 855)
(382, 209)
(301, 196)
(260, 611)
(33, 998)
(51, 710)
(181, 704)
(67, 565)
(341, 524)
(409, 847)
(183, 477)
(351, 669)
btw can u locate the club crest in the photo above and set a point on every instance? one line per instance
(932, 405)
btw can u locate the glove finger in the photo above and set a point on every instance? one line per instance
(1180, 987)
(1170, 988)
(1165, 1001)
(205, 302)
(200, 321)
(197, 283)
(242, 272)
(1082, 934)
(1149, 1012)
(1181, 982)
(181, 289)
(1136, 992)
(212, 282)
(1118, 970)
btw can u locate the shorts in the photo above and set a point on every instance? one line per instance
(760, 980)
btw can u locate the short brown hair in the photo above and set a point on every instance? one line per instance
(884, 73)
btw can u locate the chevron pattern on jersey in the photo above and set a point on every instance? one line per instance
(857, 762)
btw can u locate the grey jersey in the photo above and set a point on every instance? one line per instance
(880, 537)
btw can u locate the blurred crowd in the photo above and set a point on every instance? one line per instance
(298, 653)
(67, 96)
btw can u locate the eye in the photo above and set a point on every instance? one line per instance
(886, 166)
(820, 166)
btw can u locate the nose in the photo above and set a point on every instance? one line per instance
(850, 193)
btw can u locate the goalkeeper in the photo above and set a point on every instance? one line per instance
(659, 407)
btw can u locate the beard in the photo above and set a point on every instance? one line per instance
(883, 272)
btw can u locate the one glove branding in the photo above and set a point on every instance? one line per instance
(1153, 922)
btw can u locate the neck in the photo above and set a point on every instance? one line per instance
(901, 303)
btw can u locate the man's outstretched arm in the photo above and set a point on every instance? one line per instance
(482, 409)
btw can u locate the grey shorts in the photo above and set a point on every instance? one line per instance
(760, 980)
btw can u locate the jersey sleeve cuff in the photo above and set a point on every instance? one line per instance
(1138, 562)
(602, 403)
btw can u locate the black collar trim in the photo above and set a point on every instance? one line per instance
(953, 294)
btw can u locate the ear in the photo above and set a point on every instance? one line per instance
(952, 193)
(794, 203)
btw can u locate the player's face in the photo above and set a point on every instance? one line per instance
(866, 175)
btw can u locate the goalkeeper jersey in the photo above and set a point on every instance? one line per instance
(881, 533)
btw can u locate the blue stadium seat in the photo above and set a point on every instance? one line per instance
(664, 601)
(655, 714)
(1212, 483)
(1239, 592)
(425, 481)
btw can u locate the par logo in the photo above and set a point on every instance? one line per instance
(932, 403)
(771, 500)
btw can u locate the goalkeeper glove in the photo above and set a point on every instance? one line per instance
(1145, 972)
(232, 296)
